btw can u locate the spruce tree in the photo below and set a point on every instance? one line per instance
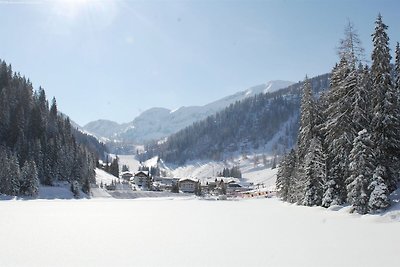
(285, 176)
(114, 167)
(361, 170)
(397, 69)
(379, 191)
(386, 114)
(339, 132)
(361, 107)
(314, 174)
(12, 181)
(29, 179)
(307, 119)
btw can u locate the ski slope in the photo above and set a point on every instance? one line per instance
(256, 174)
(192, 232)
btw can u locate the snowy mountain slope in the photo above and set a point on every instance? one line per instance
(104, 128)
(241, 127)
(157, 123)
(205, 171)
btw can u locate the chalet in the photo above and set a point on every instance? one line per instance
(188, 185)
(126, 175)
(142, 179)
(164, 183)
(233, 188)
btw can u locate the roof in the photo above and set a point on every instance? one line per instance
(188, 179)
(233, 185)
(144, 172)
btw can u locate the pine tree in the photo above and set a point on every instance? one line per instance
(125, 168)
(285, 176)
(314, 174)
(307, 119)
(11, 177)
(361, 107)
(397, 69)
(339, 132)
(31, 133)
(4, 166)
(379, 190)
(386, 120)
(114, 167)
(29, 179)
(361, 170)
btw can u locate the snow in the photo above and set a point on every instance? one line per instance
(130, 161)
(58, 191)
(157, 123)
(207, 170)
(105, 177)
(191, 232)
(97, 192)
(274, 86)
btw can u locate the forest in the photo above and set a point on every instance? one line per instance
(243, 126)
(38, 145)
(348, 145)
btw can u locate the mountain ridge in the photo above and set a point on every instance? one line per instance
(158, 122)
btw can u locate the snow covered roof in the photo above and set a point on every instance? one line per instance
(126, 173)
(144, 172)
(189, 179)
(234, 185)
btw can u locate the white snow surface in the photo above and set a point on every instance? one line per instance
(105, 177)
(130, 161)
(191, 232)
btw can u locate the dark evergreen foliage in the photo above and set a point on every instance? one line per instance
(362, 164)
(386, 113)
(114, 167)
(232, 172)
(247, 124)
(286, 176)
(358, 131)
(36, 142)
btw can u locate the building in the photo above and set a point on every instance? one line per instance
(142, 179)
(188, 185)
(235, 189)
(164, 183)
(126, 175)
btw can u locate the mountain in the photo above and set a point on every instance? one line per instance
(104, 128)
(265, 122)
(157, 123)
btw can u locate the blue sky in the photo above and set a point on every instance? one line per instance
(114, 59)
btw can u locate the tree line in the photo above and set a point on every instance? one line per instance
(348, 145)
(241, 127)
(38, 145)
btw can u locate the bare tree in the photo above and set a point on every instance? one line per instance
(350, 47)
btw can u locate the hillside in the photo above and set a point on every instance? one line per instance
(38, 144)
(241, 128)
(157, 123)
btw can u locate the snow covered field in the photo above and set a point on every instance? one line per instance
(191, 232)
